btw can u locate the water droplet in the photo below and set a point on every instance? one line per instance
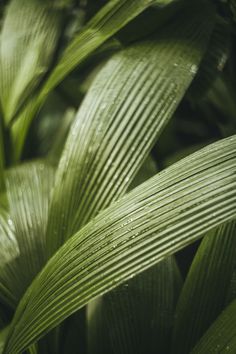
(193, 69)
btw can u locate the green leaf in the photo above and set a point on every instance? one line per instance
(150, 298)
(112, 17)
(156, 219)
(9, 252)
(221, 337)
(28, 40)
(28, 190)
(109, 20)
(3, 336)
(232, 5)
(129, 103)
(232, 287)
(205, 290)
(136, 317)
(213, 62)
(2, 161)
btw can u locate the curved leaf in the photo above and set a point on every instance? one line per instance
(9, 252)
(109, 20)
(205, 290)
(161, 216)
(221, 337)
(28, 190)
(130, 101)
(28, 40)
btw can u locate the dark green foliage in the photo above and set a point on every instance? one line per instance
(117, 176)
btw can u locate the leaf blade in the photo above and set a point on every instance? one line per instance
(130, 102)
(204, 293)
(28, 39)
(220, 338)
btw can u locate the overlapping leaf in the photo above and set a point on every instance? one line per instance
(129, 103)
(138, 315)
(221, 337)
(164, 214)
(205, 291)
(28, 40)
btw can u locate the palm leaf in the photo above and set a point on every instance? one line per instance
(130, 101)
(205, 291)
(161, 216)
(221, 336)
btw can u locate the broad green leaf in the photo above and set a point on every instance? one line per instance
(109, 20)
(150, 298)
(205, 290)
(156, 219)
(129, 103)
(23, 230)
(221, 336)
(28, 40)
(73, 331)
(137, 317)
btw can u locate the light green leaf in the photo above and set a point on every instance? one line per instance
(109, 20)
(136, 317)
(28, 40)
(23, 229)
(205, 290)
(221, 336)
(129, 103)
(9, 252)
(156, 219)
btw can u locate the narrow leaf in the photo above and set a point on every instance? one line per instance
(205, 290)
(28, 189)
(28, 40)
(221, 337)
(156, 219)
(213, 62)
(3, 336)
